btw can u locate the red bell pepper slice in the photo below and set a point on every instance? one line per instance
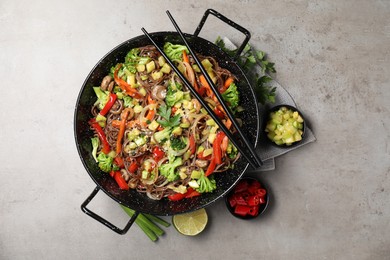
(124, 85)
(119, 161)
(219, 113)
(111, 100)
(200, 156)
(133, 167)
(158, 153)
(102, 136)
(119, 180)
(191, 193)
(211, 167)
(217, 151)
(176, 197)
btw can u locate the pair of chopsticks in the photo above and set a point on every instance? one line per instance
(252, 157)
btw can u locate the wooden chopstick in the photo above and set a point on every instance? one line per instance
(217, 94)
(203, 103)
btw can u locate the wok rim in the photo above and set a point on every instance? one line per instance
(89, 170)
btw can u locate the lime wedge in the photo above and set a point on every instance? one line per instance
(192, 223)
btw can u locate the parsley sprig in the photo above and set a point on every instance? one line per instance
(253, 62)
(165, 112)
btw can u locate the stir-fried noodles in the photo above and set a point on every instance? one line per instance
(152, 135)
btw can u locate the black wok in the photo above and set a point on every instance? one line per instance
(132, 199)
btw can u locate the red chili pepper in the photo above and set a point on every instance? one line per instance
(102, 136)
(261, 192)
(255, 184)
(211, 167)
(217, 151)
(240, 200)
(253, 200)
(232, 201)
(109, 104)
(120, 181)
(133, 167)
(247, 196)
(262, 200)
(254, 211)
(241, 210)
(192, 144)
(124, 85)
(241, 186)
(158, 153)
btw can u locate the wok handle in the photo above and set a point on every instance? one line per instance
(102, 220)
(229, 22)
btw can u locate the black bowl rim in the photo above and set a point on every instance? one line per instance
(266, 118)
(230, 209)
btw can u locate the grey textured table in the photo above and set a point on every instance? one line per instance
(330, 198)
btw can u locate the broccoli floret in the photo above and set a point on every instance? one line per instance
(132, 59)
(173, 97)
(102, 96)
(206, 184)
(127, 101)
(95, 144)
(132, 55)
(168, 170)
(162, 136)
(231, 96)
(231, 151)
(174, 51)
(174, 94)
(177, 143)
(105, 162)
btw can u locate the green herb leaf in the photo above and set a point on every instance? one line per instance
(252, 62)
(168, 121)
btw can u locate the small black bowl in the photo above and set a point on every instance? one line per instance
(267, 116)
(262, 207)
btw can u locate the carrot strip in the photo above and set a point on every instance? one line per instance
(124, 85)
(205, 84)
(122, 127)
(149, 116)
(185, 57)
(228, 123)
(151, 100)
(229, 81)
